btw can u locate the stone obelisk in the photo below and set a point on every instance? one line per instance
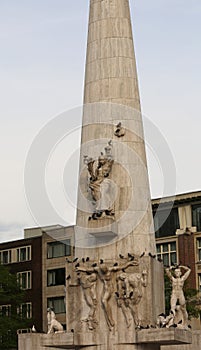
(113, 286)
(114, 212)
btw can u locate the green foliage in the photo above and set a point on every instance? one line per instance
(10, 294)
(192, 303)
(168, 290)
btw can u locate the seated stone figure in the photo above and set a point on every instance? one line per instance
(54, 326)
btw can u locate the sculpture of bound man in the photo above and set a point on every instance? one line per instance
(177, 295)
(105, 274)
(88, 283)
(129, 288)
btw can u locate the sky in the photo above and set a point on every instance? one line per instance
(42, 61)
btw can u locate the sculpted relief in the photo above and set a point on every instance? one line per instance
(88, 284)
(129, 294)
(119, 130)
(125, 287)
(100, 186)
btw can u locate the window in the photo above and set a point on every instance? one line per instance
(196, 216)
(56, 277)
(5, 310)
(199, 248)
(5, 256)
(199, 282)
(57, 249)
(24, 254)
(167, 252)
(166, 222)
(57, 304)
(25, 310)
(24, 279)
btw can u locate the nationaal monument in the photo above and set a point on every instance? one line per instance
(114, 285)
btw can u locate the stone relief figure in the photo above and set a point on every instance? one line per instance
(177, 301)
(54, 326)
(105, 274)
(129, 295)
(119, 131)
(165, 321)
(88, 284)
(102, 188)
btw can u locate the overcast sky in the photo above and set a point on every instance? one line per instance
(43, 48)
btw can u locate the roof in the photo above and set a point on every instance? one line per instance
(178, 198)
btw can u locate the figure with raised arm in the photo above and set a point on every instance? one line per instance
(177, 296)
(105, 274)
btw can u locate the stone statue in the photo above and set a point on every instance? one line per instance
(129, 295)
(178, 302)
(119, 131)
(54, 326)
(33, 329)
(88, 283)
(105, 274)
(165, 321)
(101, 187)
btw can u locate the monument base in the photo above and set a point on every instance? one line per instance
(164, 336)
(148, 339)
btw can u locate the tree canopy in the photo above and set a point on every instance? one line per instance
(11, 297)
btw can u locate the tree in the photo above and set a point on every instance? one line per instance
(11, 296)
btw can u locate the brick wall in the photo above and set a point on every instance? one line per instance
(187, 255)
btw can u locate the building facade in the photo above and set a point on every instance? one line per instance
(178, 232)
(39, 262)
(24, 258)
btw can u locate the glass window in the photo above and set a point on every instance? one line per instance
(59, 248)
(5, 310)
(24, 254)
(166, 222)
(5, 256)
(196, 216)
(167, 252)
(199, 282)
(25, 310)
(173, 246)
(199, 248)
(57, 304)
(165, 247)
(24, 279)
(56, 277)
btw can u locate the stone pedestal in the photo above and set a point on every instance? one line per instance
(164, 336)
(133, 297)
(143, 340)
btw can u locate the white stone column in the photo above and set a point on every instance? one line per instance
(111, 95)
